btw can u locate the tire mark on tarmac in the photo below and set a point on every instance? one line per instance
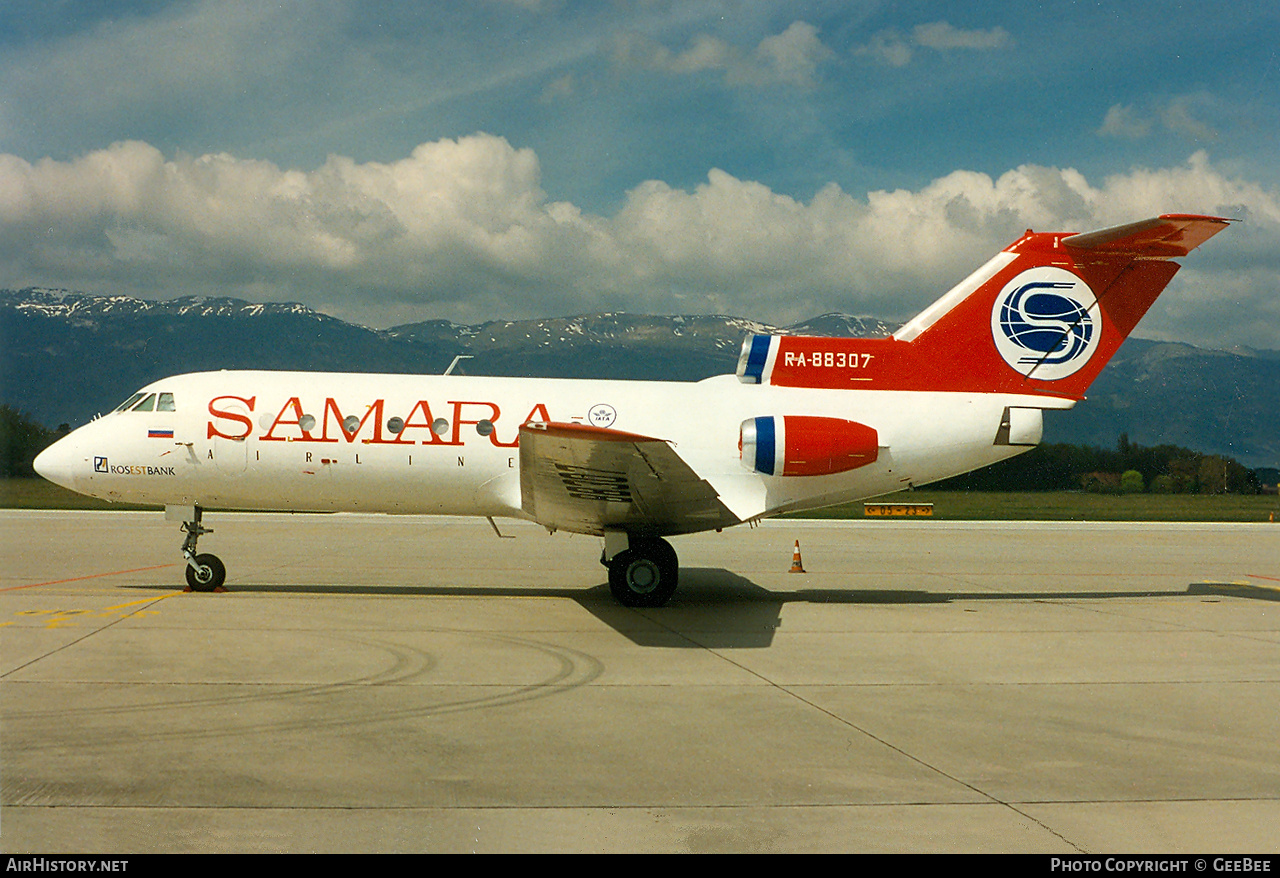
(571, 669)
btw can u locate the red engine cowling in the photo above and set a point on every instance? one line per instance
(804, 445)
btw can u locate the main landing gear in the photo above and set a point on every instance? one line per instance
(204, 572)
(644, 573)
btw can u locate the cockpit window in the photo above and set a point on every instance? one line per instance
(158, 402)
(129, 402)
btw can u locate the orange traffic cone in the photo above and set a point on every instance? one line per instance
(796, 565)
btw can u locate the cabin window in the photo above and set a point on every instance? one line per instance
(165, 403)
(147, 404)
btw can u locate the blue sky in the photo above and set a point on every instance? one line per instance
(393, 162)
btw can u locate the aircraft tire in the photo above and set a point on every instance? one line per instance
(214, 568)
(644, 575)
(660, 551)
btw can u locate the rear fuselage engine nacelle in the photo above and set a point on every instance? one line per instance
(806, 445)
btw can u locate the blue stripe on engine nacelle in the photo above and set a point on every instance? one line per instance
(765, 442)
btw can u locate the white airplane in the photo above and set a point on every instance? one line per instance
(805, 423)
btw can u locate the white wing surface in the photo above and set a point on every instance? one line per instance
(588, 479)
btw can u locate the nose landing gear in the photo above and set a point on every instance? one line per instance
(205, 572)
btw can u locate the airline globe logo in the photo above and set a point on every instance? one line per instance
(1045, 323)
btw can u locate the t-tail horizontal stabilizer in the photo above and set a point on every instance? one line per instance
(1043, 316)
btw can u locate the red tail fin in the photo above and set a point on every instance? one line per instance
(1043, 316)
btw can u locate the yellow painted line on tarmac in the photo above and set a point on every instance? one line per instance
(69, 618)
(144, 601)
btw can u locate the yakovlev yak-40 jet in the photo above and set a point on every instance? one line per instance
(805, 422)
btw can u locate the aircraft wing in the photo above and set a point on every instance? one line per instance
(586, 479)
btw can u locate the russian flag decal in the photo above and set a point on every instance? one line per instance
(159, 434)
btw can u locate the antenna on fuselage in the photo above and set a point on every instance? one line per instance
(455, 361)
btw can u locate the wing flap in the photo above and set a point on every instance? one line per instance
(587, 479)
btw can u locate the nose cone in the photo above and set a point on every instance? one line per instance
(59, 463)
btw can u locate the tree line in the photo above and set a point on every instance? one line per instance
(21, 439)
(1127, 468)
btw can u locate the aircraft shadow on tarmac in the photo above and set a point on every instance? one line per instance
(714, 607)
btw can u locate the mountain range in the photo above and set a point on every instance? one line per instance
(65, 356)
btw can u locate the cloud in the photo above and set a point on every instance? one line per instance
(1176, 115)
(560, 88)
(462, 229)
(792, 56)
(185, 51)
(887, 47)
(942, 36)
(896, 49)
(789, 58)
(454, 214)
(1122, 121)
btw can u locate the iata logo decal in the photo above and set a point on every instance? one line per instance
(602, 415)
(1045, 323)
